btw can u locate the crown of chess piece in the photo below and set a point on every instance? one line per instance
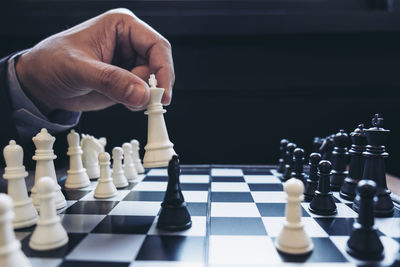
(49, 232)
(282, 148)
(287, 174)
(293, 239)
(91, 148)
(25, 213)
(159, 148)
(323, 202)
(105, 187)
(129, 167)
(44, 156)
(10, 248)
(364, 242)
(312, 181)
(118, 175)
(174, 215)
(374, 168)
(359, 141)
(298, 165)
(339, 160)
(135, 156)
(77, 176)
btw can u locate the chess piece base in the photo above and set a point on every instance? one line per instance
(323, 204)
(174, 218)
(48, 237)
(77, 180)
(348, 190)
(364, 244)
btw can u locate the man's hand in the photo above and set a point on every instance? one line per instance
(98, 63)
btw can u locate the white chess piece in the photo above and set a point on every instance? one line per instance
(77, 176)
(136, 157)
(10, 248)
(129, 167)
(25, 213)
(103, 142)
(44, 157)
(49, 232)
(118, 175)
(91, 148)
(293, 239)
(105, 187)
(159, 149)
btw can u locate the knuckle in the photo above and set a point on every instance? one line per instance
(164, 42)
(119, 15)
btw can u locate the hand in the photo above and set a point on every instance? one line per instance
(96, 64)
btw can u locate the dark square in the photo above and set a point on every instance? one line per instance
(231, 197)
(256, 171)
(324, 251)
(74, 194)
(237, 226)
(195, 187)
(144, 196)
(91, 207)
(396, 213)
(275, 210)
(266, 187)
(74, 239)
(172, 248)
(156, 179)
(69, 263)
(115, 224)
(199, 171)
(336, 226)
(197, 209)
(237, 179)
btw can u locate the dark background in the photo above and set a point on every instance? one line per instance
(248, 73)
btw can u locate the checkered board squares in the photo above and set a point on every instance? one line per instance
(237, 213)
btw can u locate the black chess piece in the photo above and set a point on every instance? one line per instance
(339, 160)
(348, 190)
(282, 148)
(326, 148)
(174, 215)
(312, 181)
(298, 165)
(323, 202)
(364, 242)
(287, 174)
(374, 168)
(317, 143)
(396, 262)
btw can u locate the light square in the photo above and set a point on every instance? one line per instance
(226, 172)
(269, 197)
(261, 179)
(151, 186)
(158, 172)
(195, 196)
(274, 225)
(140, 208)
(229, 187)
(121, 194)
(197, 179)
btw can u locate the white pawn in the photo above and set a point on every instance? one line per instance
(25, 213)
(129, 168)
(118, 175)
(44, 157)
(105, 187)
(10, 248)
(49, 232)
(77, 176)
(293, 239)
(135, 156)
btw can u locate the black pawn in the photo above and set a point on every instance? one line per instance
(312, 181)
(364, 242)
(287, 174)
(348, 190)
(323, 202)
(298, 165)
(282, 148)
(374, 168)
(339, 160)
(174, 215)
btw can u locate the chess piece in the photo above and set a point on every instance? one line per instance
(103, 142)
(129, 167)
(374, 168)
(323, 202)
(312, 181)
(282, 148)
(287, 174)
(326, 148)
(105, 187)
(348, 189)
(364, 242)
(317, 143)
(159, 148)
(44, 157)
(11, 254)
(77, 176)
(24, 211)
(136, 157)
(293, 239)
(174, 215)
(298, 164)
(118, 175)
(91, 148)
(49, 232)
(339, 160)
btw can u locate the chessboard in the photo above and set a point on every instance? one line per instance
(237, 212)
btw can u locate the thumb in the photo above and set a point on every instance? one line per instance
(116, 83)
